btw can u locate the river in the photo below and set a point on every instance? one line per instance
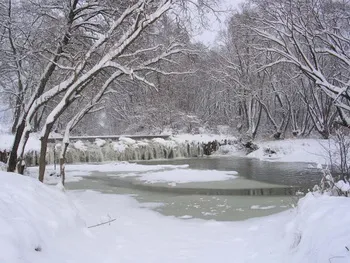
(262, 188)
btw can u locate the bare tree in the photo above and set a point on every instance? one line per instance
(98, 40)
(312, 36)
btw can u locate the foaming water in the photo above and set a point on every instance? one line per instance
(112, 151)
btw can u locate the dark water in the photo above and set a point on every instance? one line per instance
(186, 206)
(290, 174)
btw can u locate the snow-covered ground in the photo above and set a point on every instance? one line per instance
(42, 224)
(295, 150)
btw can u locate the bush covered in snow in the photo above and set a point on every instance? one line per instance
(331, 185)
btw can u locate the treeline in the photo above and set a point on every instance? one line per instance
(104, 67)
(281, 68)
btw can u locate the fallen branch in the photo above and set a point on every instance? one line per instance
(100, 224)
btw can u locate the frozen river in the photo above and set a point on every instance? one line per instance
(261, 188)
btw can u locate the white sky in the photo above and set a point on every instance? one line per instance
(208, 36)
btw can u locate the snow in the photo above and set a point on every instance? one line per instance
(343, 186)
(33, 144)
(295, 150)
(55, 135)
(186, 176)
(262, 207)
(75, 172)
(79, 145)
(167, 143)
(171, 174)
(124, 143)
(35, 216)
(127, 140)
(201, 138)
(185, 217)
(230, 150)
(32, 216)
(118, 147)
(120, 167)
(100, 142)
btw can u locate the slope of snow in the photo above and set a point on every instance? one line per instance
(295, 150)
(34, 216)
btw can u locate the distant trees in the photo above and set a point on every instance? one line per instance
(281, 67)
(312, 36)
(287, 62)
(92, 41)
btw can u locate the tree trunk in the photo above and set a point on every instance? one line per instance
(62, 162)
(22, 145)
(43, 150)
(255, 131)
(17, 115)
(62, 170)
(13, 154)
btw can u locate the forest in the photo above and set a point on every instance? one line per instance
(278, 69)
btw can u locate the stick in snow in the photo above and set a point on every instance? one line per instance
(100, 224)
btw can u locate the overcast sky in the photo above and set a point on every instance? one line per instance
(208, 36)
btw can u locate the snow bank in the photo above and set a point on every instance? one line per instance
(320, 230)
(294, 150)
(316, 231)
(35, 217)
(31, 217)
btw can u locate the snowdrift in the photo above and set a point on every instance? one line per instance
(42, 224)
(31, 216)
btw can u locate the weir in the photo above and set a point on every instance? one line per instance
(109, 137)
(93, 149)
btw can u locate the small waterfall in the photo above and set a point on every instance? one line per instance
(123, 150)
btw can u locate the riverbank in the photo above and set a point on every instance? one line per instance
(306, 150)
(310, 150)
(43, 224)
